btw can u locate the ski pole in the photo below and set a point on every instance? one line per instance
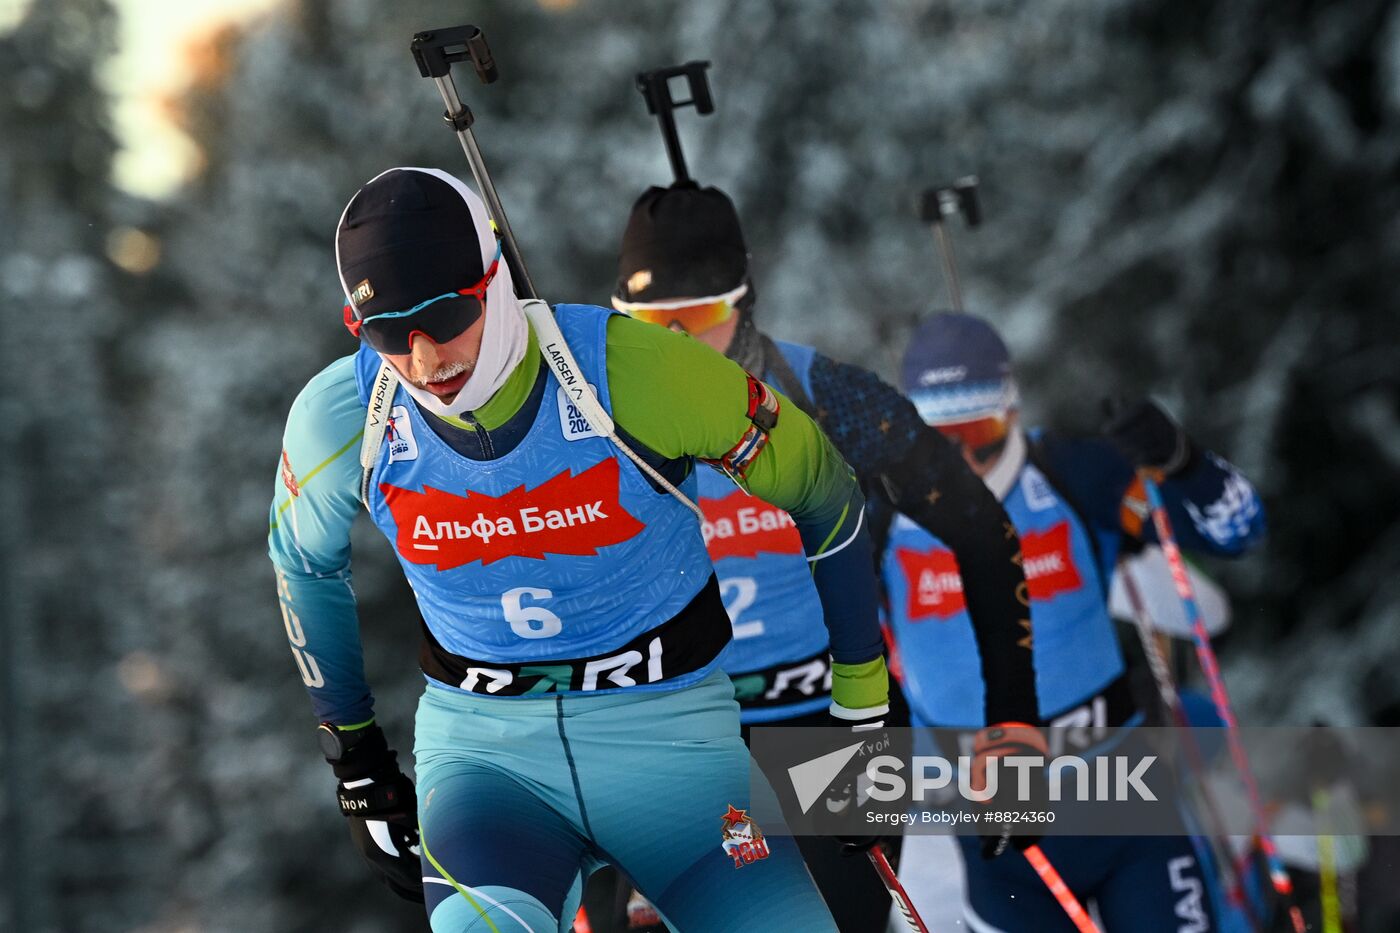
(937, 203)
(1327, 865)
(435, 50)
(655, 86)
(1061, 892)
(897, 892)
(1278, 875)
(1171, 699)
(1156, 661)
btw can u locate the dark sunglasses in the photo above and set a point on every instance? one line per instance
(439, 319)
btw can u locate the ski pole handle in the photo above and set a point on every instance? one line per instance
(897, 892)
(1060, 891)
(655, 86)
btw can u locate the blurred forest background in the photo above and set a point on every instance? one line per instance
(1190, 199)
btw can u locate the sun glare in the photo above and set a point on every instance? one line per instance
(153, 62)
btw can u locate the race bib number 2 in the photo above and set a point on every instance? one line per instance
(739, 594)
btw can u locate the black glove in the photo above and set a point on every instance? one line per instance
(378, 800)
(842, 796)
(1147, 436)
(1010, 739)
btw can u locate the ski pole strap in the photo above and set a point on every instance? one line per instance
(377, 418)
(688, 642)
(560, 360)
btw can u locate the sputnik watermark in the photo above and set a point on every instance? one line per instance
(1117, 778)
(1087, 780)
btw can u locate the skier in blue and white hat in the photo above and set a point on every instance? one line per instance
(1077, 504)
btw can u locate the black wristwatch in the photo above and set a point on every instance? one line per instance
(335, 742)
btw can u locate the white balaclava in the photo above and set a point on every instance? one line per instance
(504, 335)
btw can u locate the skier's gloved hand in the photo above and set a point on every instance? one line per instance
(859, 845)
(1146, 435)
(379, 802)
(842, 799)
(1002, 741)
(860, 704)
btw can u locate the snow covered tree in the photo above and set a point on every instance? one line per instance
(1193, 200)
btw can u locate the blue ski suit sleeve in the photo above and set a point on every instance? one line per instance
(1213, 508)
(313, 508)
(895, 454)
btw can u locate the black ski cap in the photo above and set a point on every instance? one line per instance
(681, 242)
(405, 237)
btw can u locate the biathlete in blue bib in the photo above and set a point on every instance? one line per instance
(535, 471)
(1077, 503)
(684, 265)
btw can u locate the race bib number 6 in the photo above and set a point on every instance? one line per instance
(530, 621)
